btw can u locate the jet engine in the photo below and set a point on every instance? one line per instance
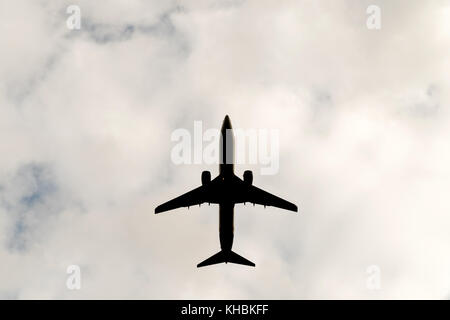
(248, 177)
(206, 177)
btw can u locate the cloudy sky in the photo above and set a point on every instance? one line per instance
(86, 118)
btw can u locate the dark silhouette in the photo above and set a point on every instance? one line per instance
(226, 190)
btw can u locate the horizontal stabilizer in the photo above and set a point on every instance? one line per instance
(226, 256)
(235, 258)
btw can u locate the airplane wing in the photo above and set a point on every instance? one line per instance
(191, 198)
(256, 195)
(194, 197)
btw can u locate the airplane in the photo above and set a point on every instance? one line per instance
(226, 190)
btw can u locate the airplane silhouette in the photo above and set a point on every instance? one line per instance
(226, 190)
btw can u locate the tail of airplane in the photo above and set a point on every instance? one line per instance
(225, 256)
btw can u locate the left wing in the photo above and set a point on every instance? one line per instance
(204, 193)
(250, 193)
(191, 198)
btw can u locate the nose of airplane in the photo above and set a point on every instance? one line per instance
(226, 123)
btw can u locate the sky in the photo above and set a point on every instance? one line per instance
(86, 118)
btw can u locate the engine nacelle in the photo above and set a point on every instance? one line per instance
(206, 177)
(248, 177)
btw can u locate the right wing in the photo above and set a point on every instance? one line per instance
(252, 194)
(259, 196)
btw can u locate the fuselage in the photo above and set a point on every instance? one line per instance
(226, 168)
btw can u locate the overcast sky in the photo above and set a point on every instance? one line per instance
(86, 118)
